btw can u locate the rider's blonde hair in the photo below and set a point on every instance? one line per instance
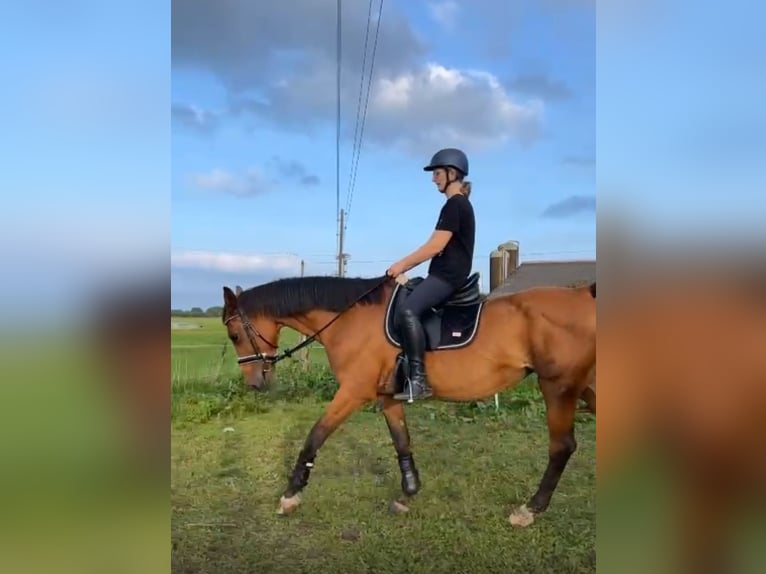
(465, 187)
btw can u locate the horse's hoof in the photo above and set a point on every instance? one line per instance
(288, 505)
(521, 517)
(397, 507)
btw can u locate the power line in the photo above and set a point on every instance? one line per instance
(358, 145)
(361, 85)
(356, 151)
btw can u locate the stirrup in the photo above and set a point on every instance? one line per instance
(408, 395)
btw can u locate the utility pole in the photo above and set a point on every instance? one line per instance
(341, 255)
(304, 353)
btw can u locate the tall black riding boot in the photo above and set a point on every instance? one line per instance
(414, 343)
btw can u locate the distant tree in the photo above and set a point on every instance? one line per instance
(216, 311)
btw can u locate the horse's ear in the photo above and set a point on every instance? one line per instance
(238, 289)
(229, 298)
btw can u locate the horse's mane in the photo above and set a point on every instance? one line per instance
(296, 295)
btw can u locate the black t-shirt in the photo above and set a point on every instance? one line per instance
(454, 263)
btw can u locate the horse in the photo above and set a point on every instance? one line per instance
(477, 345)
(683, 356)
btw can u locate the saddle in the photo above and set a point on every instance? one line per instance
(449, 325)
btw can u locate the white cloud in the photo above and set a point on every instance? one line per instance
(445, 13)
(417, 109)
(195, 118)
(252, 182)
(256, 181)
(437, 105)
(234, 262)
(286, 75)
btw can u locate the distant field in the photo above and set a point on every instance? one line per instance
(197, 344)
(233, 450)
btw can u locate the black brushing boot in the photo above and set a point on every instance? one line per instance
(414, 343)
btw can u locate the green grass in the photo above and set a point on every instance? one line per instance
(206, 353)
(476, 464)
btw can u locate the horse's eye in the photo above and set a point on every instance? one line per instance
(234, 337)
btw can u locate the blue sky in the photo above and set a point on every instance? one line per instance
(98, 183)
(86, 148)
(680, 119)
(254, 146)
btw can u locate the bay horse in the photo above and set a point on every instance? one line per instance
(682, 347)
(477, 346)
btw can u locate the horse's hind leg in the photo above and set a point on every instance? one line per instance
(341, 407)
(707, 512)
(561, 404)
(588, 394)
(393, 410)
(589, 397)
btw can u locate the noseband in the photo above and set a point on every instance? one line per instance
(252, 332)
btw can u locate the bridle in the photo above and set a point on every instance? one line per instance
(273, 358)
(251, 333)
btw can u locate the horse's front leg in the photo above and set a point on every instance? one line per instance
(393, 410)
(339, 409)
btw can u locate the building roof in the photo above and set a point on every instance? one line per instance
(548, 274)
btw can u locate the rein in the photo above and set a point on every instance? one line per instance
(275, 358)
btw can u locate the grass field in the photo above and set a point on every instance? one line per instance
(233, 450)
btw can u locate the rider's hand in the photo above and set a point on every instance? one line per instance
(396, 269)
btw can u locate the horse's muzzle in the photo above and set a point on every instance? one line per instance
(260, 380)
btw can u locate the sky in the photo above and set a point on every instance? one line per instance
(122, 157)
(253, 111)
(86, 146)
(680, 123)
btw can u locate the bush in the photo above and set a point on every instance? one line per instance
(202, 399)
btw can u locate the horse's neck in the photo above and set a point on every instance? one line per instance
(329, 325)
(312, 322)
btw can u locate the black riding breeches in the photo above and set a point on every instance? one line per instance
(430, 292)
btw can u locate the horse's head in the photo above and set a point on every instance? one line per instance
(255, 341)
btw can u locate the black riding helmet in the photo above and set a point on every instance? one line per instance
(449, 157)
